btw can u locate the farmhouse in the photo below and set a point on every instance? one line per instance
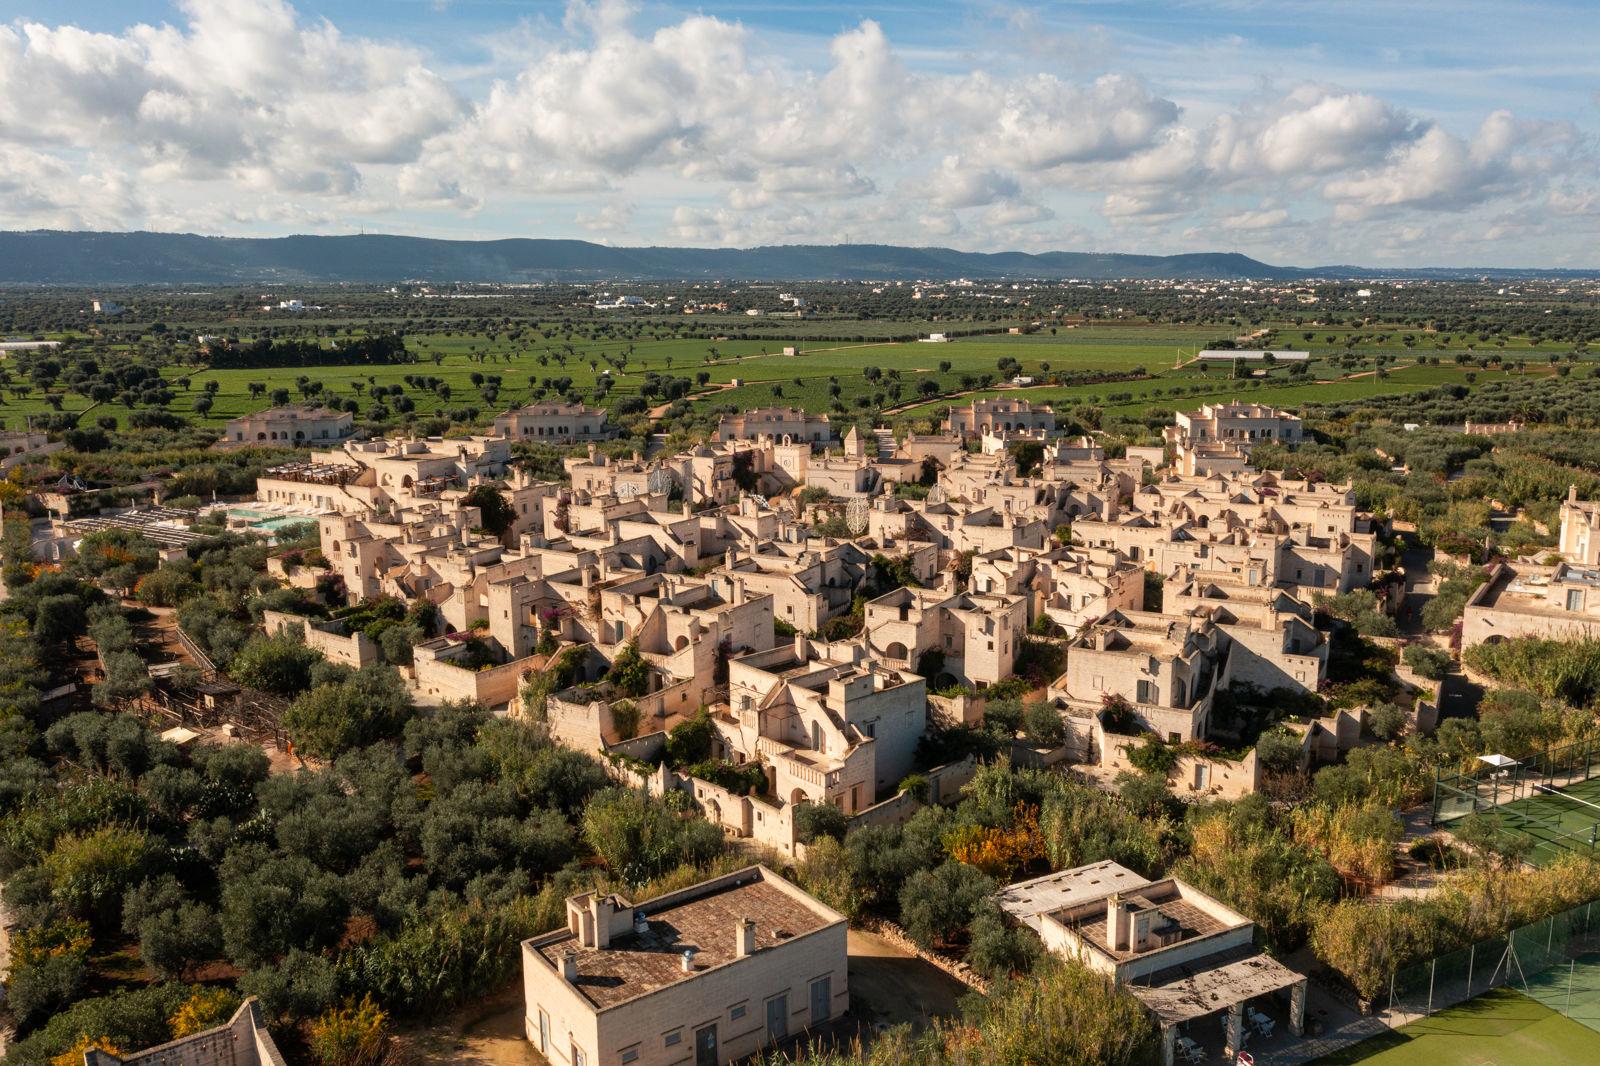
(1184, 954)
(559, 423)
(777, 423)
(289, 426)
(707, 974)
(1241, 423)
(1000, 414)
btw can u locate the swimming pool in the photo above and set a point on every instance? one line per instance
(266, 520)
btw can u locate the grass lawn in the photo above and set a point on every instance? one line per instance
(1500, 1028)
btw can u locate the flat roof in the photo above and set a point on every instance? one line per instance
(1027, 900)
(1252, 353)
(1184, 993)
(1187, 921)
(705, 918)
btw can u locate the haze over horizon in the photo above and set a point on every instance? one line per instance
(1401, 134)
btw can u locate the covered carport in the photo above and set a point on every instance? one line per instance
(1189, 993)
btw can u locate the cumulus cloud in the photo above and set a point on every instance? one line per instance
(1441, 171)
(244, 91)
(255, 114)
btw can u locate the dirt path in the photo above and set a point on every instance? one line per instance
(890, 987)
(488, 1034)
(722, 386)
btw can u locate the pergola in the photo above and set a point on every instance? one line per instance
(1197, 990)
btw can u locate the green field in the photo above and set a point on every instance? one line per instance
(768, 377)
(1499, 1028)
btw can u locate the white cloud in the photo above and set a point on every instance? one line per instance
(1441, 171)
(253, 114)
(244, 91)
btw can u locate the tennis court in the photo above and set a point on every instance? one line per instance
(1558, 820)
(1552, 798)
(1501, 1028)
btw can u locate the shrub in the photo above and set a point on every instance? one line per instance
(937, 904)
(689, 741)
(1376, 624)
(1427, 661)
(1387, 721)
(825, 873)
(996, 948)
(206, 1009)
(916, 785)
(625, 719)
(1153, 756)
(630, 672)
(814, 821)
(1043, 725)
(352, 1035)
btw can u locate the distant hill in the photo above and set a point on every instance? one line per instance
(57, 257)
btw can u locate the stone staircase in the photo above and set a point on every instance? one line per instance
(886, 444)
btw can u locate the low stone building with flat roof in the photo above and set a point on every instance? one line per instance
(1185, 955)
(705, 975)
(1559, 602)
(1239, 423)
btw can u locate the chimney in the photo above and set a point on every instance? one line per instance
(745, 939)
(1116, 922)
(802, 647)
(688, 960)
(641, 924)
(586, 928)
(601, 908)
(569, 967)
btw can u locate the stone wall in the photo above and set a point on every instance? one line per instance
(355, 650)
(902, 940)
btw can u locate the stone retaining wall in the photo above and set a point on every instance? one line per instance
(902, 940)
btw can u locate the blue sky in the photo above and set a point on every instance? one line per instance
(1306, 132)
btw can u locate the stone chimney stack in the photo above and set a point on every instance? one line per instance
(569, 967)
(600, 909)
(745, 939)
(1116, 923)
(688, 960)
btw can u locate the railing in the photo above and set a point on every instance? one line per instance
(201, 659)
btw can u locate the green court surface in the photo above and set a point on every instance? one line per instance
(1558, 821)
(1500, 1028)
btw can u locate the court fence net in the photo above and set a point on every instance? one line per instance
(1555, 961)
(1487, 787)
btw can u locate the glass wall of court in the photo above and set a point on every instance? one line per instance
(1555, 961)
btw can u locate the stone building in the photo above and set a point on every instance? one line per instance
(290, 426)
(1238, 423)
(707, 974)
(555, 423)
(1000, 414)
(1185, 955)
(776, 422)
